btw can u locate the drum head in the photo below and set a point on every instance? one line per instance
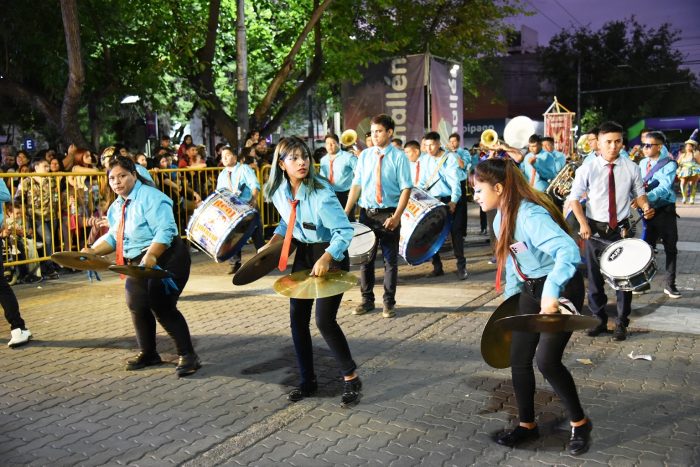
(363, 240)
(428, 236)
(625, 258)
(236, 238)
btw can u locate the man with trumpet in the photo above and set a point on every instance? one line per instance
(610, 181)
(338, 167)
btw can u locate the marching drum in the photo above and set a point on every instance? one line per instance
(221, 225)
(361, 245)
(628, 264)
(424, 227)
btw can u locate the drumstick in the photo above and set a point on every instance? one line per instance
(362, 233)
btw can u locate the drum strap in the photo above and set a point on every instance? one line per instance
(434, 177)
(234, 186)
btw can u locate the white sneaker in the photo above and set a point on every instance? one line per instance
(19, 337)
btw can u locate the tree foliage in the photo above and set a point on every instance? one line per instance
(622, 54)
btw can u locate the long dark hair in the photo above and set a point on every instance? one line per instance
(515, 191)
(289, 146)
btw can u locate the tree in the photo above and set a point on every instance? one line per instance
(623, 54)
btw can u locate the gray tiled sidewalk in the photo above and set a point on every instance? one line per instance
(429, 398)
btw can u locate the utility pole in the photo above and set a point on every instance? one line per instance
(241, 74)
(578, 98)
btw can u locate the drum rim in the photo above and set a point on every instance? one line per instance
(603, 262)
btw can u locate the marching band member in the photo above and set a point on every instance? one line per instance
(382, 185)
(142, 231)
(416, 159)
(658, 175)
(464, 160)
(559, 157)
(609, 181)
(540, 260)
(241, 180)
(538, 165)
(338, 167)
(311, 214)
(441, 179)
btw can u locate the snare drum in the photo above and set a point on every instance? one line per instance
(628, 264)
(221, 225)
(362, 244)
(425, 224)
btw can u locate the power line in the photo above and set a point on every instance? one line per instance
(540, 12)
(568, 13)
(658, 85)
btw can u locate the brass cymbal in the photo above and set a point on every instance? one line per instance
(139, 272)
(554, 322)
(82, 261)
(495, 341)
(302, 285)
(261, 264)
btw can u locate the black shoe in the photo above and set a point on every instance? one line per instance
(672, 291)
(436, 273)
(462, 274)
(580, 439)
(304, 390)
(52, 275)
(351, 393)
(517, 436)
(620, 332)
(188, 364)
(236, 267)
(363, 308)
(602, 328)
(142, 360)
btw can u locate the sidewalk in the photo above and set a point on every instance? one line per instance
(429, 399)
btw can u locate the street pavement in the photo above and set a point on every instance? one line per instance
(428, 398)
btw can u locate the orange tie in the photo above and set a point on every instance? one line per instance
(378, 174)
(330, 171)
(120, 235)
(417, 171)
(288, 236)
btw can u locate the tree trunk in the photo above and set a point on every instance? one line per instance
(70, 129)
(241, 75)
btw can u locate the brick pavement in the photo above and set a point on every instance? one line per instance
(429, 399)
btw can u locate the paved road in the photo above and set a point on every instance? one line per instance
(429, 398)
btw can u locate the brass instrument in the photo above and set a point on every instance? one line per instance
(582, 145)
(560, 186)
(489, 139)
(348, 138)
(518, 131)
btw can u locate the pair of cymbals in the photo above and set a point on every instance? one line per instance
(261, 264)
(302, 284)
(92, 262)
(498, 332)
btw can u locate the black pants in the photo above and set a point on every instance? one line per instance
(8, 300)
(548, 349)
(148, 302)
(458, 220)
(664, 224)
(389, 241)
(596, 284)
(326, 310)
(343, 198)
(462, 208)
(258, 241)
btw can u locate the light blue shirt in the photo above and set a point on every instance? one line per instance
(559, 160)
(440, 176)
(4, 198)
(320, 217)
(664, 193)
(396, 177)
(466, 159)
(417, 168)
(550, 251)
(343, 169)
(592, 178)
(149, 219)
(240, 179)
(543, 168)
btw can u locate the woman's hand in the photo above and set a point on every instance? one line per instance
(549, 305)
(322, 265)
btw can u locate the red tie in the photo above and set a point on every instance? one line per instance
(648, 166)
(330, 171)
(378, 175)
(417, 171)
(288, 236)
(612, 205)
(120, 235)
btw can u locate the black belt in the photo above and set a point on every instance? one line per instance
(605, 227)
(373, 211)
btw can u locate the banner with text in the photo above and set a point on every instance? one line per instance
(558, 126)
(446, 104)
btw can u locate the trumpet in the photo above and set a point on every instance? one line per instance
(348, 138)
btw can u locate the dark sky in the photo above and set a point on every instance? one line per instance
(553, 15)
